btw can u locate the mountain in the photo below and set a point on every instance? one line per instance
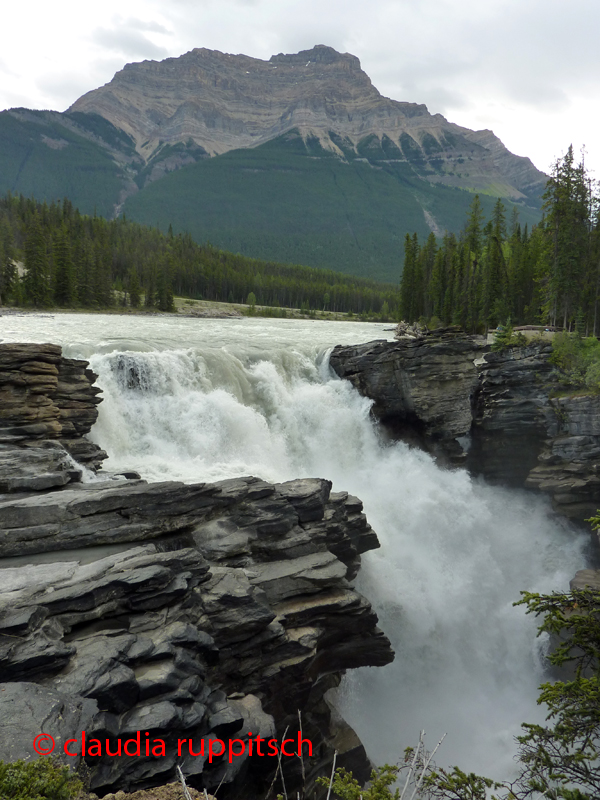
(225, 102)
(297, 158)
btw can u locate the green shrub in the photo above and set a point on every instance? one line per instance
(577, 360)
(43, 779)
(346, 787)
(506, 337)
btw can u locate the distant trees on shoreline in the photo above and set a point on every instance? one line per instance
(71, 260)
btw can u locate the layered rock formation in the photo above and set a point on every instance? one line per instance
(47, 405)
(222, 102)
(183, 612)
(423, 386)
(449, 385)
(512, 415)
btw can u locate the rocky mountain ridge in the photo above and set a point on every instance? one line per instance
(297, 159)
(222, 102)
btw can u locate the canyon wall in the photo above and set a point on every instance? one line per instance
(494, 412)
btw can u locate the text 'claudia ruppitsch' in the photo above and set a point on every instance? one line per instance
(143, 745)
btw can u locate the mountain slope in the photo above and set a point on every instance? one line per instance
(293, 200)
(80, 156)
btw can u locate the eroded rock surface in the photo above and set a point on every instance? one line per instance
(446, 385)
(170, 611)
(200, 611)
(47, 405)
(427, 384)
(512, 414)
(185, 611)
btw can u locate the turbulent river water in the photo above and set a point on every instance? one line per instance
(207, 399)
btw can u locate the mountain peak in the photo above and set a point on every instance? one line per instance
(222, 102)
(319, 54)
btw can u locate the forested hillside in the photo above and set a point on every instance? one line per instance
(80, 156)
(293, 200)
(71, 260)
(500, 269)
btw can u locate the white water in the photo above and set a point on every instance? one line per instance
(224, 398)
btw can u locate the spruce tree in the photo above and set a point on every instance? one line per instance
(65, 289)
(8, 272)
(37, 277)
(567, 204)
(135, 290)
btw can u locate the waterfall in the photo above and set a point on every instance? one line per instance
(455, 552)
(257, 397)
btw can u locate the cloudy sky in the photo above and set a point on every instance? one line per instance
(527, 69)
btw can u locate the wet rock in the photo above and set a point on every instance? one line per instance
(426, 383)
(190, 612)
(197, 611)
(447, 385)
(44, 396)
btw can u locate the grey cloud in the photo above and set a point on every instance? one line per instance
(129, 42)
(63, 89)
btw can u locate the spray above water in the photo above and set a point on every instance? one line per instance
(256, 398)
(455, 552)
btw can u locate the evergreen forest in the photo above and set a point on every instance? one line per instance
(499, 270)
(51, 255)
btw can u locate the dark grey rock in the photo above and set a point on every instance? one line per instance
(28, 709)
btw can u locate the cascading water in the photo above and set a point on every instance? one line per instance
(455, 552)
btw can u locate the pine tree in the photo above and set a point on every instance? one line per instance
(65, 289)
(495, 305)
(37, 278)
(567, 203)
(8, 272)
(135, 290)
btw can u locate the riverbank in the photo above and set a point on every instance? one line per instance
(207, 309)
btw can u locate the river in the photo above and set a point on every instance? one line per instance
(198, 400)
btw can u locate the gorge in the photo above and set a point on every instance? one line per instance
(220, 400)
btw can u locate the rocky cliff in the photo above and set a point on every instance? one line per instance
(421, 386)
(222, 102)
(448, 387)
(183, 612)
(47, 405)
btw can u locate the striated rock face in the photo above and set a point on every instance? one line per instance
(47, 405)
(223, 102)
(450, 385)
(179, 612)
(512, 413)
(425, 384)
(569, 462)
(189, 612)
(522, 436)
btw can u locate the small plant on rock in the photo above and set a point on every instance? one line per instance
(43, 779)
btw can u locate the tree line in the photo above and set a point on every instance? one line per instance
(51, 255)
(497, 270)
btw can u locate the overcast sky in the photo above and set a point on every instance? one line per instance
(527, 69)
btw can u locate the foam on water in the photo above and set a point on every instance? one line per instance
(455, 553)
